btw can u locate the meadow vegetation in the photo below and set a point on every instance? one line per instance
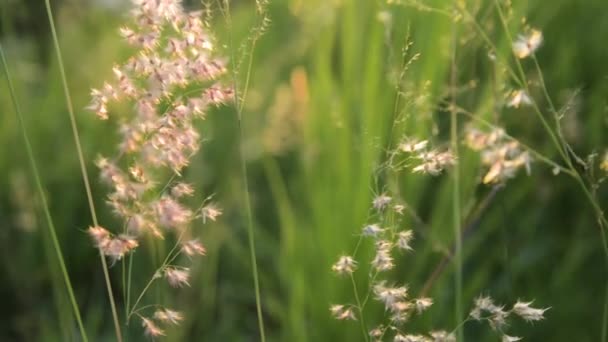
(290, 170)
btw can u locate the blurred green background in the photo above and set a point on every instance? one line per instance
(318, 118)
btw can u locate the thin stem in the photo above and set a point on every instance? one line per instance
(369, 289)
(536, 154)
(491, 45)
(40, 190)
(524, 84)
(83, 168)
(456, 191)
(247, 203)
(544, 86)
(130, 272)
(168, 259)
(605, 317)
(361, 319)
(143, 292)
(124, 281)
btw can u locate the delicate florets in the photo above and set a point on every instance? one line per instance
(342, 312)
(210, 212)
(528, 313)
(383, 261)
(193, 247)
(113, 247)
(372, 230)
(404, 239)
(381, 202)
(526, 45)
(422, 304)
(170, 82)
(502, 156)
(150, 328)
(346, 265)
(434, 161)
(518, 98)
(168, 316)
(177, 277)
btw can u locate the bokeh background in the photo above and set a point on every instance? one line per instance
(318, 118)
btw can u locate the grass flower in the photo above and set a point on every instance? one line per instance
(434, 162)
(177, 277)
(517, 98)
(210, 212)
(193, 247)
(527, 44)
(503, 157)
(170, 81)
(168, 316)
(151, 329)
(345, 265)
(507, 338)
(372, 230)
(342, 312)
(604, 162)
(422, 304)
(381, 202)
(528, 313)
(409, 146)
(404, 239)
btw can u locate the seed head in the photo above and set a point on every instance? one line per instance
(372, 230)
(342, 312)
(422, 304)
(193, 247)
(210, 211)
(507, 338)
(168, 316)
(518, 98)
(345, 265)
(527, 44)
(404, 239)
(381, 202)
(177, 277)
(150, 328)
(528, 313)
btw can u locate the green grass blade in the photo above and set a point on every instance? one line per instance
(40, 190)
(83, 168)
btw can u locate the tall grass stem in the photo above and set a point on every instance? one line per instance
(239, 104)
(456, 190)
(45, 206)
(83, 167)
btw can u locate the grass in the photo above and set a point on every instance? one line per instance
(535, 238)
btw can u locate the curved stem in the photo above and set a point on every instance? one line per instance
(456, 191)
(360, 308)
(83, 168)
(239, 104)
(45, 206)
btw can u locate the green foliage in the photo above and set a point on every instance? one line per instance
(320, 115)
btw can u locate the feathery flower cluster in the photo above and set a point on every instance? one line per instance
(518, 97)
(429, 161)
(161, 315)
(113, 247)
(496, 316)
(503, 156)
(398, 304)
(345, 265)
(527, 44)
(396, 300)
(342, 312)
(434, 336)
(169, 83)
(604, 162)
